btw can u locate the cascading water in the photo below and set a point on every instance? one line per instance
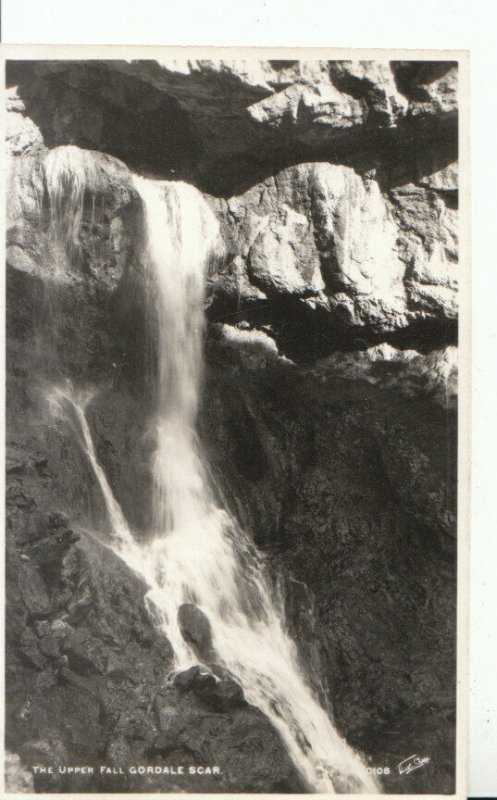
(70, 174)
(197, 552)
(67, 404)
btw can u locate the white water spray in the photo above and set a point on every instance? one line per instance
(198, 553)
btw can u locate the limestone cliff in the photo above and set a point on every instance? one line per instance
(328, 410)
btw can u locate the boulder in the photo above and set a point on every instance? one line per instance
(194, 679)
(226, 695)
(220, 694)
(196, 630)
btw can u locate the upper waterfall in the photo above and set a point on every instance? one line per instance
(201, 552)
(197, 552)
(70, 174)
(181, 232)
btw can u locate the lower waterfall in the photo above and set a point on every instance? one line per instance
(197, 552)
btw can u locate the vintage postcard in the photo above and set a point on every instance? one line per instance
(234, 298)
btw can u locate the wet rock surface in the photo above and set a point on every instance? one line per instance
(328, 413)
(217, 691)
(355, 507)
(196, 630)
(86, 687)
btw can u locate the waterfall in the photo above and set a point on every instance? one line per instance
(70, 174)
(197, 552)
(67, 404)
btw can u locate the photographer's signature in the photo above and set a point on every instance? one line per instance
(411, 763)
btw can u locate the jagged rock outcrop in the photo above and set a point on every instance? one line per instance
(328, 413)
(225, 125)
(326, 238)
(362, 239)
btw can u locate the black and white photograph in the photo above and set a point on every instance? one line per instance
(232, 432)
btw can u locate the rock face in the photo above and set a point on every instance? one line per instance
(357, 504)
(224, 125)
(328, 413)
(86, 672)
(328, 241)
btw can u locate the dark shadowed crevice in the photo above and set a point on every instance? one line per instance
(306, 335)
(410, 76)
(133, 121)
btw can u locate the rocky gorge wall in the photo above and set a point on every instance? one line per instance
(328, 412)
